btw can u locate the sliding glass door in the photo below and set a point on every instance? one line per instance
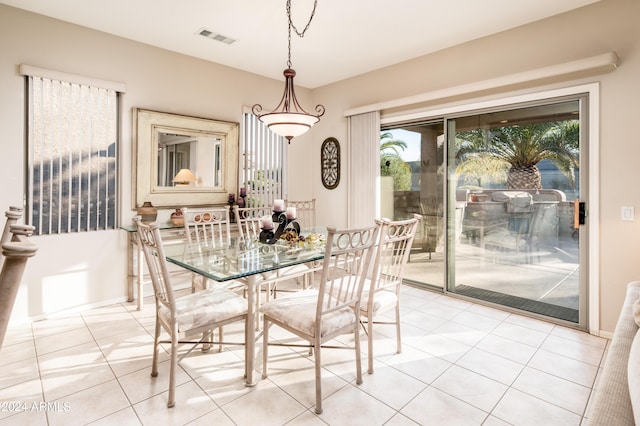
(499, 195)
(412, 180)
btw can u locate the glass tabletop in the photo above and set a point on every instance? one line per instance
(244, 257)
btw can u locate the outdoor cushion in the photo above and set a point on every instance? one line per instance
(517, 201)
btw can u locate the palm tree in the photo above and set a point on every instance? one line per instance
(523, 147)
(391, 164)
(393, 144)
(482, 169)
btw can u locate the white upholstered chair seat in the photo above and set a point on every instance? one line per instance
(200, 309)
(382, 301)
(298, 311)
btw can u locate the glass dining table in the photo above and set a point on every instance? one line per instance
(245, 260)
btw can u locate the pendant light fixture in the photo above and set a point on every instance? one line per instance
(289, 119)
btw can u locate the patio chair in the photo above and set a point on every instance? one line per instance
(383, 292)
(321, 314)
(182, 317)
(522, 237)
(431, 223)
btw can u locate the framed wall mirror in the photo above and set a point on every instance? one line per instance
(183, 161)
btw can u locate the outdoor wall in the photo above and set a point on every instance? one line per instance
(74, 271)
(609, 25)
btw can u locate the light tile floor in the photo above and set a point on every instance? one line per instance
(461, 364)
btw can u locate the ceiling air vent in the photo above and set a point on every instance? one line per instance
(215, 36)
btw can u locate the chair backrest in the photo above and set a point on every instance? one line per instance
(392, 253)
(207, 225)
(544, 220)
(16, 254)
(305, 210)
(249, 220)
(346, 262)
(151, 241)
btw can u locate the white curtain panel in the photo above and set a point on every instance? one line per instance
(364, 168)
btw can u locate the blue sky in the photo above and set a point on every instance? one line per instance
(412, 139)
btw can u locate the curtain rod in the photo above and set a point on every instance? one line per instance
(606, 61)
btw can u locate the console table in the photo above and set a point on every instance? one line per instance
(171, 234)
(135, 259)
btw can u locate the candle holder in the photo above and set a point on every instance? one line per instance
(292, 225)
(232, 200)
(268, 236)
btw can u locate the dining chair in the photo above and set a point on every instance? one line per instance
(207, 225)
(211, 227)
(331, 309)
(249, 220)
(249, 223)
(306, 211)
(182, 317)
(383, 291)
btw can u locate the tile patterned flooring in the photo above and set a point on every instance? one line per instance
(461, 364)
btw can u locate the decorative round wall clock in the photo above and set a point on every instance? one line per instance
(330, 163)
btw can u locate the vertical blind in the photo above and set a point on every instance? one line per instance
(263, 158)
(364, 168)
(72, 139)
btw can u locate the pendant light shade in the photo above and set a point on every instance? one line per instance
(289, 119)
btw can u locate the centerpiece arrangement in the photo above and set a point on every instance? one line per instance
(286, 220)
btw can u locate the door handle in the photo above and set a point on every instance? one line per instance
(579, 213)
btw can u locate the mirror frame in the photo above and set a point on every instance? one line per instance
(145, 130)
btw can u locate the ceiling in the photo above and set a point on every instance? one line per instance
(346, 37)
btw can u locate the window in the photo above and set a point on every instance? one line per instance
(72, 155)
(263, 155)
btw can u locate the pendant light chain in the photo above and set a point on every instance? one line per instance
(291, 25)
(289, 119)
